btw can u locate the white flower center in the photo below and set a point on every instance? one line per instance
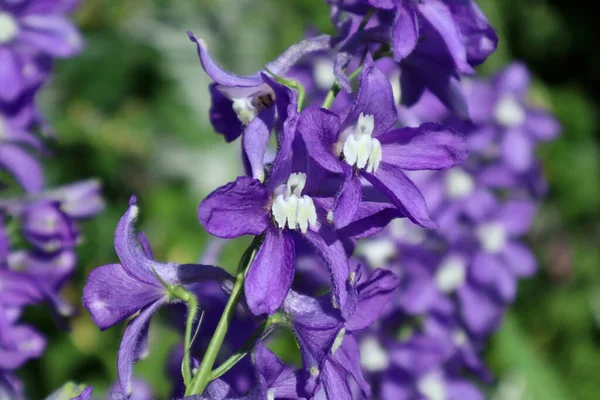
(451, 274)
(9, 28)
(459, 337)
(358, 147)
(2, 128)
(509, 112)
(432, 386)
(378, 252)
(459, 184)
(323, 73)
(492, 237)
(244, 109)
(395, 81)
(407, 232)
(289, 205)
(373, 356)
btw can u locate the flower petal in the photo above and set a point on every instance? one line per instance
(320, 129)
(54, 35)
(520, 259)
(332, 251)
(514, 79)
(479, 311)
(490, 272)
(270, 276)
(256, 139)
(405, 34)
(516, 216)
(294, 53)
(222, 116)
(236, 209)
(517, 150)
(335, 381)
(403, 193)
(348, 356)
(348, 200)
(375, 97)
(11, 78)
(373, 296)
(129, 344)
(111, 295)
(23, 166)
(542, 125)
(430, 146)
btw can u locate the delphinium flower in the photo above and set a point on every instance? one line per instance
(115, 292)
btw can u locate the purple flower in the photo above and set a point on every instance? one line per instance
(18, 343)
(48, 228)
(72, 391)
(238, 100)
(30, 29)
(281, 208)
(364, 144)
(329, 349)
(114, 292)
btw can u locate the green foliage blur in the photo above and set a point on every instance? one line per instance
(132, 110)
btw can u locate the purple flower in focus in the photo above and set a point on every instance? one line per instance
(363, 144)
(281, 208)
(29, 29)
(114, 292)
(238, 100)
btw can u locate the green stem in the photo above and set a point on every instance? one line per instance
(185, 366)
(203, 376)
(335, 89)
(260, 333)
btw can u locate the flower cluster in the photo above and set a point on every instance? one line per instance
(38, 225)
(340, 210)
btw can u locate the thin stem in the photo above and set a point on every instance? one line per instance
(185, 365)
(260, 333)
(202, 377)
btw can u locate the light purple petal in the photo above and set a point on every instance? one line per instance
(335, 382)
(405, 34)
(542, 125)
(256, 139)
(19, 343)
(479, 311)
(516, 216)
(375, 97)
(514, 79)
(370, 218)
(270, 276)
(430, 146)
(373, 296)
(294, 53)
(219, 75)
(111, 295)
(54, 35)
(23, 166)
(383, 4)
(236, 209)
(403, 193)
(462, 390)
(268, 366)
(129, 344)
(517, 150)
(320, 129)
(348, 356)
(489, 271)
(519, 259)
(11, 78)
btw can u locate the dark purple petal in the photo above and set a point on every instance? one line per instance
(268, 366)
(375, 97)
(270, 276)
(111, 295)
(348, 356)
(373, 296)
(403, 193)
(335, 382)
(348, 200)
(430, 146)
(440, 18)
(320, 129)
(222, 116)
(129, 344)
(479, 37)
(405, 34)
(332, 251)
(236, 209)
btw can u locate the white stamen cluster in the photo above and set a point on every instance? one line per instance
(509, 112)
(492, 237)
(244, 109)
(9, 28)
(291, 207)
(373, 357)
(432, 386)
(358, 146)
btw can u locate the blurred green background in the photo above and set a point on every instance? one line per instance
(132, 110)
